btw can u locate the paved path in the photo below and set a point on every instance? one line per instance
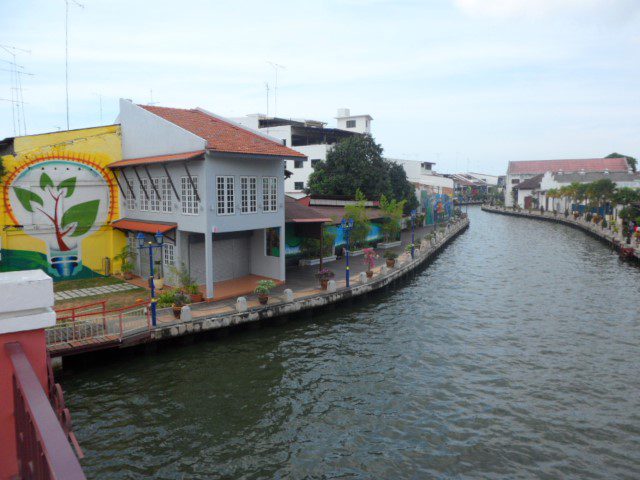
(89, 292)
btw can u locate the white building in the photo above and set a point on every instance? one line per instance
(522, 170)
(309, 137)
(424, 178)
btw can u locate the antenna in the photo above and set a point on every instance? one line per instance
(17, 99)
(66, 50)
(151, 102)
(275, 66)
(266, 86)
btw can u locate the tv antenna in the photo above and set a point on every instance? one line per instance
(17, 99)
(276, 67)
(66, 50)
(151, 102)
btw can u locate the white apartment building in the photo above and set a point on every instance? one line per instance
(424, 178)
(309, 137)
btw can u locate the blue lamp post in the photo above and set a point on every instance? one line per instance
(347, 225)
(151, 246)
(413, 231)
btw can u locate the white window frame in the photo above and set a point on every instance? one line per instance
(248, 195)
(269, 194)
(166, 205)
(189, 204)
(154, 200)
(168, 255)
(129, 199)
(225, 195)
(144, 190)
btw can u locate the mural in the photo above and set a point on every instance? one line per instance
(58, 200)
(437, 207)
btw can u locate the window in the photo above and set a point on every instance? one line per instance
(248, 194)
(514, 181)
(189, 202)
(298, 164)
(129, 199)
(155, 199)
(351, 124)
(315, 162)
(168, 258)
(144, 191)
(298, 185)
(269, 194)
(165, 192)
(225, 195)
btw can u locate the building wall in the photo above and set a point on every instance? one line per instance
(58, 200)
(313, 152)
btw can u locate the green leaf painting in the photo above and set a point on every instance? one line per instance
(45, 181)
(69, 184)
(83, 215)
(26, 197)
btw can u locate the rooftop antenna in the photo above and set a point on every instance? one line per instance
(275, 66)
(17, 100)
(66, 50)
(151, 102)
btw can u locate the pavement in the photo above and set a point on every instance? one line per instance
(89, 292)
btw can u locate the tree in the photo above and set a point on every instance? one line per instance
(633, 163)
(356, 163)
(392, 210)
(361, 223)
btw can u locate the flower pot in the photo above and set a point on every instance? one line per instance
(158, 283)
(196, 297)
(177, 309)
(369, 273)
(391, 262)
(324, 283)
(263, 299)
(127, 275)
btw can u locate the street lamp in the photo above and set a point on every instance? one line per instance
(413, 229)
(347, 225)
(159, 238)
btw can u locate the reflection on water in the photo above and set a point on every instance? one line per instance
(516, 354)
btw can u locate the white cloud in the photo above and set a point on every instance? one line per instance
(540, 8)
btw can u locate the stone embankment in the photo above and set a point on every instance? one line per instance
(606, 235)
(292, 305)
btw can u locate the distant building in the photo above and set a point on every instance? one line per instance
(519, 171)
(468, 187)
(310, 137)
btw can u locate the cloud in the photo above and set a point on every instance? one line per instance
(541, 8)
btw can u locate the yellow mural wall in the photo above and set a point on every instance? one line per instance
(58, 199)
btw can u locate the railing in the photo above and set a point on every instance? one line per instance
(73, 312)
(100, 323)
(43, 443)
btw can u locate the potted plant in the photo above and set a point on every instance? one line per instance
(126, 257)
(187, 284)
(409, 247)
(194, 293)
(369, 260)
(324, 276)
(263, 289)
(158, 280)
(179, 301)
(390, 257)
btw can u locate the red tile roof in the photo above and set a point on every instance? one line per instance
(298, 213)
(618, 164)
(143, 226)
(131, 162)
(221, 135)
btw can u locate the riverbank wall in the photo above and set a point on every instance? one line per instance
(605, 235)
(293, 307)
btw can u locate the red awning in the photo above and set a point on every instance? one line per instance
(141, 226)
(178, 157)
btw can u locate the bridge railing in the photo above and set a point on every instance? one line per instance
(43, 443)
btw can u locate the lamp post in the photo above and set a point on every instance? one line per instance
(413, 230)
(151, 246)
(347, 225)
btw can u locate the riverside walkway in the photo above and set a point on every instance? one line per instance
(125, 329)
(606, 234)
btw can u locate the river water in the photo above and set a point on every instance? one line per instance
(515, 354)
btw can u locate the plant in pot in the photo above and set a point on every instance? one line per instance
(127, 258)
(324, 275)
(390, 258)
(263, 289)
(179, 301)
(187, 284)
(158, 280)
(369, 260)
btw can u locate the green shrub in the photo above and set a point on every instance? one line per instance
(390, 255)
(310, 247)
(264, 287)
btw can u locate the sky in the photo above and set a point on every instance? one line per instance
(468, 84)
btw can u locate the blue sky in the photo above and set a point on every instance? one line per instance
(461, 82)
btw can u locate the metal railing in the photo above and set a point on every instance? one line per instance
(71, 313)
(42, 437)
(98, 323)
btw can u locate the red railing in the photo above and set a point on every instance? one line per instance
(43, 438)
(65, 314)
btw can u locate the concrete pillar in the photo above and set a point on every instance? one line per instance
(26, 299)
(288, 295)
(208, 261)
(241, 304)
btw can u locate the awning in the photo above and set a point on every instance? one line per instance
(143, 226)
(295, 212)
(178, 157)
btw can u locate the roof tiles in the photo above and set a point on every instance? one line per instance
(618, 164)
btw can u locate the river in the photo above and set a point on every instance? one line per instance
(515, 354)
